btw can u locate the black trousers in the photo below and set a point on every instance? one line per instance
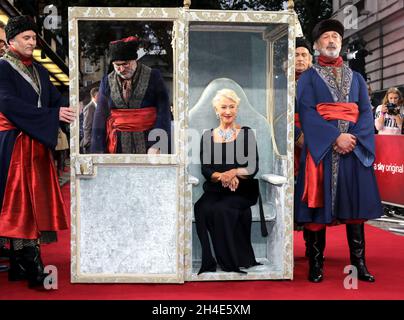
(227, 218)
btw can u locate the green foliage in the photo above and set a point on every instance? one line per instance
(96, 38)
(312, 11)
(268, 5)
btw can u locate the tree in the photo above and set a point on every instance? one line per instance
(95, 39)
(310, 12)
(269, 5)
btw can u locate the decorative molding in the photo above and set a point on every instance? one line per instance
(83, 166)
(285, 162)
(291, 5)
(187, 4)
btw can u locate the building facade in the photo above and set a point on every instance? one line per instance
(50, 51)
(378, 26)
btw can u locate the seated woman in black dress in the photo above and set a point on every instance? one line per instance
(229, 160)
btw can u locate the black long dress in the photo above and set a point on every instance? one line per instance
(225, 214)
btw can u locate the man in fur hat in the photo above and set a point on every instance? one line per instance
(31, 204)
(132, 102)
(336, 182)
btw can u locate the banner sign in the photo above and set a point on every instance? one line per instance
(389, 168)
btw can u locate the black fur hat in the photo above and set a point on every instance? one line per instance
(302, 42)
(19, 24)
(327, 25)
(124, 49)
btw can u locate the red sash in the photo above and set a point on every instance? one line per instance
(5, 124)
(128, 120)
(32, 200)
(313, 193)
(297, 121)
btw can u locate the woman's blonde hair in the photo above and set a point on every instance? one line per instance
(395, 91)
(225, 93)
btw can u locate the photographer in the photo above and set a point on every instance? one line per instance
(389, 115)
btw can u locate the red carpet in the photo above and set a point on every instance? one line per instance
(385, 258)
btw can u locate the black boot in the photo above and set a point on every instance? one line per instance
(17, 270)
(316, 245)
(356, 241)
(306, 253)
(34, 266)
(307, 246)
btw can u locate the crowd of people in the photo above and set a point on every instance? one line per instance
(334, 150)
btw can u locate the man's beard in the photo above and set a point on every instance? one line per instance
(127, 76)
(330, 53)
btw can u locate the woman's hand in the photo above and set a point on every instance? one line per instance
(227, 176)
(234, 184)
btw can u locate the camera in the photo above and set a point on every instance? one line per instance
(392, 109)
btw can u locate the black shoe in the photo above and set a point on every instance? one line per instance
(238, 271)
(209, 267)
(234, 269)
(34, 266)
(315, 244)
(356, 241)
(17, 270)
(363, 273)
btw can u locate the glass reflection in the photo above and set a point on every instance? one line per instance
(126, 79)
(280, 93)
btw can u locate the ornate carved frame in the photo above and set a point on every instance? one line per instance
(285, 162)
(85, 165)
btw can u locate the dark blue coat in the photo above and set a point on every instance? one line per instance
(18, 102)
(357, 195)
(156, 95)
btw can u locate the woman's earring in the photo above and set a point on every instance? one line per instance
(217, 116)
